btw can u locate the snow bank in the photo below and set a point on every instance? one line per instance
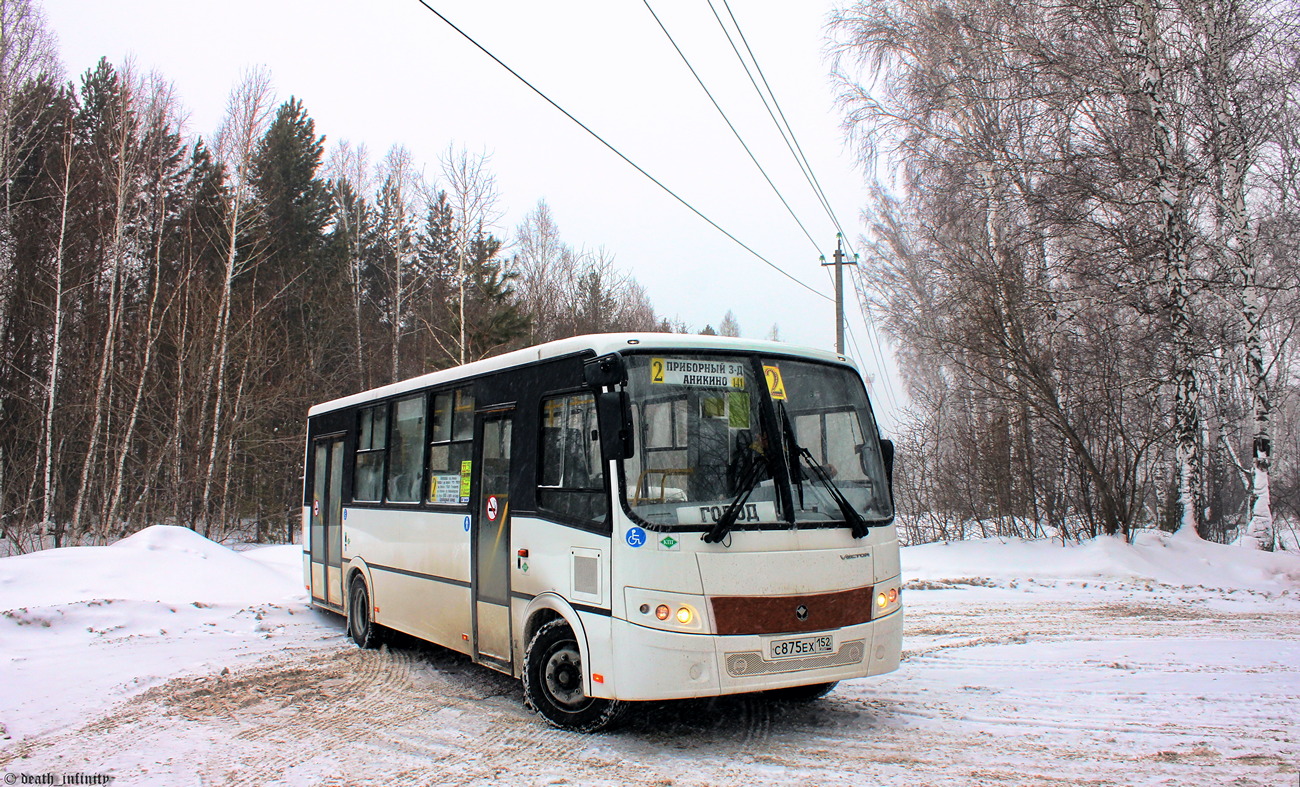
(164, 601)
(1153, 558)
(160, 563)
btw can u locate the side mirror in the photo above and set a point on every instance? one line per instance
(604, 371)
(614, 409)
(887, 454)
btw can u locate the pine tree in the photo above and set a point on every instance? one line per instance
(300, 344)
(493, 318)
(294, 200)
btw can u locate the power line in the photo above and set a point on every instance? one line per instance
(870, 323)
(619, 153)
(768, 106)
(730, 125)
(799, 156)
(792, 143)
(873, 342)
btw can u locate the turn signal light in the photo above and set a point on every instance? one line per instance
(885, 598)
(684, 615)
(661, 611)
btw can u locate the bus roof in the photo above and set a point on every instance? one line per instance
(598, 344)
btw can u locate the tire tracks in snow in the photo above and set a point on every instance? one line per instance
(972, 704)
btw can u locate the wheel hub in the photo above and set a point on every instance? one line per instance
(563, 676)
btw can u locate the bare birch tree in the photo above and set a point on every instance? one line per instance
(1171, 189)
(27, 51)
(248, 112)
(548, 269)
(569, 291)
(48, 525)
(472, 191)
(349, 169)
(1243, 74)
(1085, 197)
(163, 152)
(121, 163)
(400, 191)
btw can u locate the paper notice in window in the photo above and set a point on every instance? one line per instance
(445, 489)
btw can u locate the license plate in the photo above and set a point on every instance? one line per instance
(804, 646)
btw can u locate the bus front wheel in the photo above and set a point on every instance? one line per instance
(361, 627)
(553, 682)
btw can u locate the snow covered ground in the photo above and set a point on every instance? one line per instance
(167, 659)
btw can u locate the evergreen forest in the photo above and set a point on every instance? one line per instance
(172, 304)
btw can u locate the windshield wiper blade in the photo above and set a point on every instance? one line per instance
(792, 450)
(856, 523)
(748, 482)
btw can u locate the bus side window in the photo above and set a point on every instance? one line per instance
(406, 453)
(450, 446)
(372, 440)
(571, 477)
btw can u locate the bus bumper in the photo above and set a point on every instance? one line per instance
(652, 664)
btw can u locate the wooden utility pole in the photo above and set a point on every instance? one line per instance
(839, 263)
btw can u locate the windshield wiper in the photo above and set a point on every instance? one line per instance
(857, 525)
(748, 482)
(792, 450)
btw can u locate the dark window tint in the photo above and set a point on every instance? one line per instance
(372, 439)
(406, 455)
(571, 474)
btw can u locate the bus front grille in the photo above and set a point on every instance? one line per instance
(746, 663)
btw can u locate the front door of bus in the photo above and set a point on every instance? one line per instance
(327, 522)
(491, 536)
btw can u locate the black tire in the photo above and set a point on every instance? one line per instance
(363, 630)
(808, 693)
(553, 682)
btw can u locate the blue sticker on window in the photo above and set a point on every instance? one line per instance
(635, 537)
(466, 524)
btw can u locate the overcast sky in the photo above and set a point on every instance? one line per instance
(385, 72)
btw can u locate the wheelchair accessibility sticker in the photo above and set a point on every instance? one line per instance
(636, 537)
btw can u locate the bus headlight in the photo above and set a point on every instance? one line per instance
(888, 598)
(661, 609)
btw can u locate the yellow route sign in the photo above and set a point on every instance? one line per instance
(775, 385)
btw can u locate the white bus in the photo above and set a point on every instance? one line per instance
(615, 518)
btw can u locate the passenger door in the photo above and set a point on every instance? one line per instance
(490, 543)
(327, 522)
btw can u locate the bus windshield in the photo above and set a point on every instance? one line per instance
(780, 440)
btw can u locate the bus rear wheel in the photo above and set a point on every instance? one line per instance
(361, 627)
(553, 682)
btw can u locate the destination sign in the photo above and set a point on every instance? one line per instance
(758, 511)
(697, 373)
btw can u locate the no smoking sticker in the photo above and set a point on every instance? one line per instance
(492, 508)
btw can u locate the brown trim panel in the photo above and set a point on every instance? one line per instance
(781, 614)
